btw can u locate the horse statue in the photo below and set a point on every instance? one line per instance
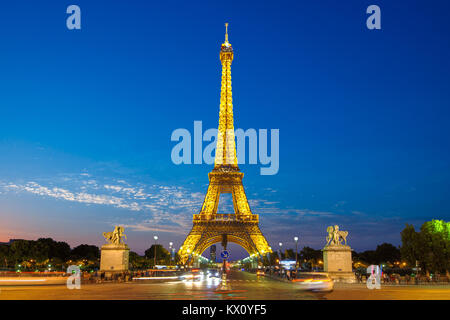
(116, 236)
(336, 236)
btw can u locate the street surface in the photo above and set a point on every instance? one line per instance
(243, 286)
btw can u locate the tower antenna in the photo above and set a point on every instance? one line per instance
(226, 32)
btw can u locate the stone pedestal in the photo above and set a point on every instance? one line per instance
(337, 262)
(114, 258)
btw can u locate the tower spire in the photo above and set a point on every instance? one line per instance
(226, 148)
(226, 32)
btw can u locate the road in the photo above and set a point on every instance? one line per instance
(389, 292)
(243, 286)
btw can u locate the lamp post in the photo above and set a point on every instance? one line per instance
(296, 243)
(170, 250)
(154, 258)
(280, 244)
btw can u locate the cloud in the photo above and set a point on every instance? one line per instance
(160, 207)
(155, 207)
(64, 194)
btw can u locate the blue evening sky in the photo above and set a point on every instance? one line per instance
(86, 116)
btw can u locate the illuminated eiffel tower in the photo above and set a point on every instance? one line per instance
(240, 227)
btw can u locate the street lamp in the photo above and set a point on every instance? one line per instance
(296, 243)
(280, 244)
(154, 258)
(171, 250)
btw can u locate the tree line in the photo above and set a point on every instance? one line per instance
(45, 253)
(427, 249)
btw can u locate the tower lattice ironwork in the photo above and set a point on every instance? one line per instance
(240, 227)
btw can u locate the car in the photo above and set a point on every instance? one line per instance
(212, 273)
(314, 281)
(193, 275)
(260, 273)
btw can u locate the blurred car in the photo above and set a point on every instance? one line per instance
(314, 281)
(212, 273)
(193, 275)
(260, 273)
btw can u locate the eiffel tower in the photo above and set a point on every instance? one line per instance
(240, 227)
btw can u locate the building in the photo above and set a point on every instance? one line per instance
(212, 253)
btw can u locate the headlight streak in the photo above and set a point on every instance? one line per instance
(155, 278)
(22, 280)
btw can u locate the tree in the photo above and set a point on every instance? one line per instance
(289, 254)
(85, 251)
(386, 252)
(430, 247)
(61, 250)
(435, 238)
(5, 258)
(20, 250)
(368, 256)
(410, 249)
(138, 262)
(270, 259)
(161, 253)
(47, 248)
(312, 256)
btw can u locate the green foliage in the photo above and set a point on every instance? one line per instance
(310, 254)
(139, 262)
(4, 255)
(85, 251)
(434, 236)
(289, 254)
(430, 246)
(147, 261)
(269, 259)
(368, 256)
(438, 227)
(386, 252)
(162, 255)
(33, 251)
(38, 254)
(21, 250)
(47, 248)
(410, 249)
